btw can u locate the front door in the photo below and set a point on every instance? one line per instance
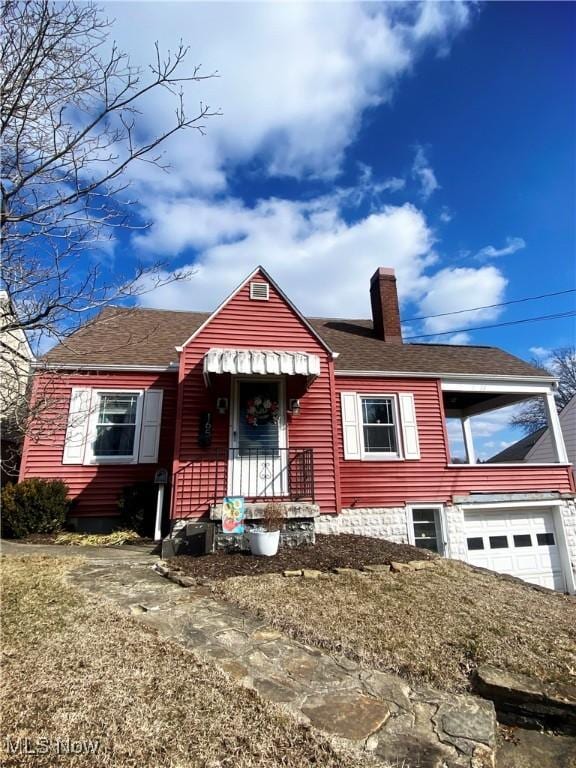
(258, 462)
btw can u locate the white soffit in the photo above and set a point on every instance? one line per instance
(264, 362)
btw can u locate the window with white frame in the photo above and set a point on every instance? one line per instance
(113, 426)
(116, 424)
(426, 527)
(379, 425)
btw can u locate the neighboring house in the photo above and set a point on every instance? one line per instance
(538, 446)
(337, 420)
(543, 448)
(519, 450)
(15, 363)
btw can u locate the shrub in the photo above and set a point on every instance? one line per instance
(34, 506)
(273, 517)
(137, 504)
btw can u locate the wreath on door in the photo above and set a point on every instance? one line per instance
(262, 410)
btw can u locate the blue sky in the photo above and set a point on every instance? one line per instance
(436, 138)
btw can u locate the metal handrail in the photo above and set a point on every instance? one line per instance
(281, 474)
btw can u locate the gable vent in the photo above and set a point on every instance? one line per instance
(259, 291)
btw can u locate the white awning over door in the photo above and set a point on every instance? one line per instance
(265, 362)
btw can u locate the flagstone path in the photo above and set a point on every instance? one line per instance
(377, 713)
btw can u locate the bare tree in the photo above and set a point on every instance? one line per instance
(562, 365)
(70, 131)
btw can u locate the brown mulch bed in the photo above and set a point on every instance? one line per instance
(343, 551)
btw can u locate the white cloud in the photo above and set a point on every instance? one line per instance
(540, 352)
(294, 80)
(455, 289)
(446, 215)
(513, 244)
(322, 262)
(458, 338)
(423, 173)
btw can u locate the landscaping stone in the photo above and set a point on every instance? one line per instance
(534, 749)
(465, 722)
(292, 573)
(378, 568)
(348, 715)
(528, 699)
(416, 748)
(399, 567)
(388, 687)
(364, 710)
(186, 581)
(309, 573)
(420, 565)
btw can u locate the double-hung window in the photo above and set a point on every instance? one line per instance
(113, 426)
(379, 426)
(116, 422)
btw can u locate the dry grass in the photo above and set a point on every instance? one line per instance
(432, 626)
(114, 539)
(75, 668)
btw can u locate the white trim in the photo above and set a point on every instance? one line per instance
(89, 457)
(514, 386)
(237, 290)
(350, 430)
(510, 504)
(439, 522)
(489, 465)
(365, 455)
(443, 376)
(254, 288)
(555, 428)
(39, 365)
(468, 441)
(234, 432)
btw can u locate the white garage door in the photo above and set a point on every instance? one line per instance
(521, 542)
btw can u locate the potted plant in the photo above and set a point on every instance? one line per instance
(265, 538)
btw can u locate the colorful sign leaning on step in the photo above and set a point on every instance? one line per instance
(233, 513)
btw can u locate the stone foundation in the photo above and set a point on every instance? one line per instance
(294, 534)
(379, 522)
(391, 523)
(296, 531)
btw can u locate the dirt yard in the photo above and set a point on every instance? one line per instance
(76, 670)
(433, 626)
(345, 551)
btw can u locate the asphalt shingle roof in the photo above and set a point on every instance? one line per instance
(148, 337)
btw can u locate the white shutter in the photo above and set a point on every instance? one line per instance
(350, 425)
(409, 426)
(78, 417)
(150, 430)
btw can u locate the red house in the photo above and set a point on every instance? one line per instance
(341, 423)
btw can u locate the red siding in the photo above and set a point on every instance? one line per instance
(395, 483)
(94, 488)
(243, 323)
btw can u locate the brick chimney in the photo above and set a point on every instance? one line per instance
(385, 311)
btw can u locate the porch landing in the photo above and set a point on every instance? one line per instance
(255, 511)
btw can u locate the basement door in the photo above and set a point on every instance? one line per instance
(258, 464)
(521, 542)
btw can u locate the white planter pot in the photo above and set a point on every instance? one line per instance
(264, 542)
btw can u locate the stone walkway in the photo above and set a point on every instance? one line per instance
(368, 710)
